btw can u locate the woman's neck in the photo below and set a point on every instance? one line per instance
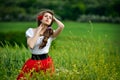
(43, 28)
(43, 25)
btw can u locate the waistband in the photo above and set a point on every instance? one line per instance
(39, 57)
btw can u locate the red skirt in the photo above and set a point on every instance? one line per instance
(36, 66)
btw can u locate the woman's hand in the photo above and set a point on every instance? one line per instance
(41, 29)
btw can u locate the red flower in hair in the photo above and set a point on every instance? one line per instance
(40, 17)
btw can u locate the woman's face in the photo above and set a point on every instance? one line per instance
(47, 18)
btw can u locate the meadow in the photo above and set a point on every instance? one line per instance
(83, 51)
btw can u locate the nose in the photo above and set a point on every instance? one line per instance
(47, 17)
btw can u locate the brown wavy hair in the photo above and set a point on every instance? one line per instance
(49, 30)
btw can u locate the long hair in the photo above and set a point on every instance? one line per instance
(49, 30)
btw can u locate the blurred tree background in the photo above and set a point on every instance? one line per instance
(77, 10)
(71, 10)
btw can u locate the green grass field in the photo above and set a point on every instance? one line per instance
(83, 51)
(76, 28)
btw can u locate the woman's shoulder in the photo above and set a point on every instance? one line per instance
(30, 29)
(29, 32)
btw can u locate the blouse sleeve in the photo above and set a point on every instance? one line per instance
(29, 32)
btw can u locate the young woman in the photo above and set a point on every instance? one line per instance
(39, 41)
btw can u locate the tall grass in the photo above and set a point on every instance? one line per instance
(11, 59)
(83, 59)
(75, 58)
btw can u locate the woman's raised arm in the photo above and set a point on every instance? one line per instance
(60, 27)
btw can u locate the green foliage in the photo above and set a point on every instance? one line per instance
(26, 10)
(81, 60)
(84, 51)
(12, 38)
(11, 59)
(15, 31)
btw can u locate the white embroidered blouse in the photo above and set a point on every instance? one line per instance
(36, 50)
